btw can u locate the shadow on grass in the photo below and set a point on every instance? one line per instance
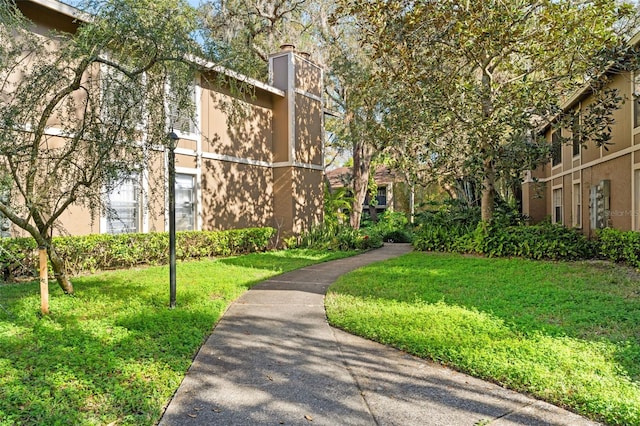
(113, 353)
(76, 374)
(546, 309)
(295, 259)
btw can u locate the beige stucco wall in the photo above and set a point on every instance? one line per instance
(236, 195)
(307, 76)
(308, 130)
(234, 126)
(534, 195)
(308, 199)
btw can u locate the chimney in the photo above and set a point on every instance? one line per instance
(288, 47)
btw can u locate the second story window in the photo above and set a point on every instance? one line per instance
(575, 133)
(556, 148)
(180, 111)
(636, 100)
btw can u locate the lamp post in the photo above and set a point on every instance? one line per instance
(173, 140)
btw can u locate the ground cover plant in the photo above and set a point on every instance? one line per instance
(565, 332)
(114, 353)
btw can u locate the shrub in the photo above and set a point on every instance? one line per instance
(619, 246)
(552, 242)
(546, 241)
(338, 238)
(391, 227)
(18, 256)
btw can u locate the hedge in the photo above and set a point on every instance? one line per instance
(619, 246)
(18, 256)
(544, 241)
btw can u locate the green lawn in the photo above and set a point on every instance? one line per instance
(114, 353)
(568, 333)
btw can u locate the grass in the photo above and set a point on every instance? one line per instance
(568, 333)
(114, 353)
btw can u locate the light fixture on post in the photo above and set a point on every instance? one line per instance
(173, 141)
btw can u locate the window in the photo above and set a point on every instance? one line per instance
(381, 196)
(577, 205)
(575, 133)
(556, 148)
(636, 100)
(123, 210)
(185, 202)
(121, 98)
(557, 205)
(179, 112)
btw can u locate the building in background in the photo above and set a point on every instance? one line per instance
(386, 183)
(591, 187)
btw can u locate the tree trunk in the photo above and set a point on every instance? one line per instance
(487, 202)
(373, 213)
(362, 154)
(59, 270)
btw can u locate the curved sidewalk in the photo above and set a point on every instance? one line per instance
(273, 360)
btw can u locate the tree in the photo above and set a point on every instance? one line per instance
(80, 112)
(482, 74)
(242, 34)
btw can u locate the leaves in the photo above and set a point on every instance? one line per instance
(75, 104)
(466, 83)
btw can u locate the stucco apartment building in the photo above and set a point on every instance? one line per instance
(265, 170)
(384, 178)
(592, 187)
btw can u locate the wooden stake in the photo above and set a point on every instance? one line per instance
(44, 282)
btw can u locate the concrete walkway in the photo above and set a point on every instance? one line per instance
(274, 360)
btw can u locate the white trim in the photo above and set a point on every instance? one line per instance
(596, 162)
(291, 113)
(198, 119)
(259, 163)
(140, 207)
(166, 189)
(573, 204)
(307, 94)
(145, 200)
(577, 156)
(232, 159)
(65, 9)
(210, 66)
(196, 173)
(185, 151)
(554, 188)
(298, 164)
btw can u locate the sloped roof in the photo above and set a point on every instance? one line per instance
(586, 89)
(78, 15)
(342, 176)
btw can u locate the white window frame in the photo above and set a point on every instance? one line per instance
(578, 116)
(194, 124)
(635, 118)
(577, 204)
(105, 217)
(556, 202)
(553, 133)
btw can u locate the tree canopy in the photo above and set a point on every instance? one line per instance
(469, 80)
